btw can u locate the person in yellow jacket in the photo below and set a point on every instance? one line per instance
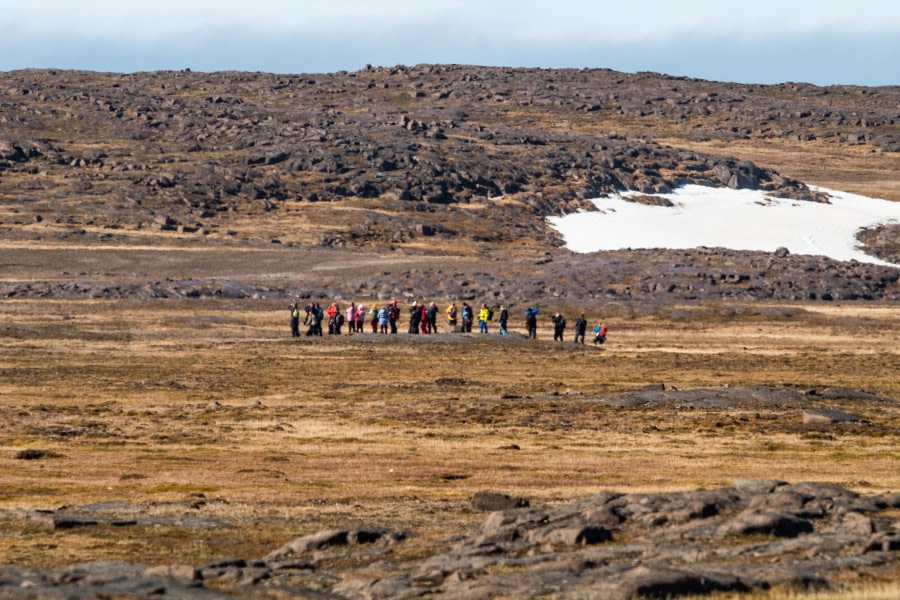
(484, 315)
(452, 316)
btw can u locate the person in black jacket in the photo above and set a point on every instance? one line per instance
(312, 321)
(431, 317)
(503, 320)
(415, 314)
(295, 320)
(580, 328)
(559, 327)
(531, 314)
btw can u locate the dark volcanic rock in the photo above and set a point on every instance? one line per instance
(751, 523)
(609, 545)
(492, 501)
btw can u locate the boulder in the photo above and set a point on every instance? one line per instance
(574, 535)
(771, 523)
(657, 581)
(494, 501)
(12, 152)
(757, 486)
(330, 539)
(182, 573)
(842, 393)
(827, 416)
(308, 543)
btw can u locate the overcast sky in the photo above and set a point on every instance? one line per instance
(766, 41)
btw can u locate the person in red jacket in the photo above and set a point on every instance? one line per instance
(334, 319)
(360, 318)
(423, 318)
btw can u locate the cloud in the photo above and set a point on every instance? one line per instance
(522, 19)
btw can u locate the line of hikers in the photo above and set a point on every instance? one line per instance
(423, 319)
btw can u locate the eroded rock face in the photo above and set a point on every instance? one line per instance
(751, 535)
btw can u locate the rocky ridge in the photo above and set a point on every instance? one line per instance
(651, 277)
(751, 535)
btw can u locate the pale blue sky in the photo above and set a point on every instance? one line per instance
(766, 41)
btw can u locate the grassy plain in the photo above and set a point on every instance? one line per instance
(166, 403)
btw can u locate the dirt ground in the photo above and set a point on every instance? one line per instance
(210, 408)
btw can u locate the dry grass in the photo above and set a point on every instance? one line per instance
(881, 591)
(394, 432)
(851, 169)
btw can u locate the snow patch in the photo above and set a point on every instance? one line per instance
(726, 218)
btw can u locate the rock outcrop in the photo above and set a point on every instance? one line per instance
(752, 535)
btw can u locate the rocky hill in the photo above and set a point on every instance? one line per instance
(389, 156)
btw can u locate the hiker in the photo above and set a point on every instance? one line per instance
(351, 319)
(336, 321)
(423, 318)
(360, 318)
(415, 314)
(295, 320)
(393, 315)
(484, 316)
(373, 318)
(452, 314)
(531, 314)
(467, 318)
(580, 328)
(312, 321)
(320, 316)
(431, 317)
(600, 334)
(383, 318)
(559, 327)
(330, 311)
(504, 318)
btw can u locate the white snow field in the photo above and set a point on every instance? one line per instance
(726, 218)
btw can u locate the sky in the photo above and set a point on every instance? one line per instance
(753, 41)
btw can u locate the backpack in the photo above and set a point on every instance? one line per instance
(339, 319)
(452, 313)
(490, 314)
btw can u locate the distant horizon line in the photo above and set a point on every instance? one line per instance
(368, 67)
